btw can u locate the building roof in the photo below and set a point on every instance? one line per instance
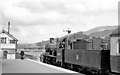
(3, 31)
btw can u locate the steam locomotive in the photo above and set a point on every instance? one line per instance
(86, 55)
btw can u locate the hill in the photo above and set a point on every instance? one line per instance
(100, 29)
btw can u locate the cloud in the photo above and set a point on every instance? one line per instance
(24, 15)
(31, 12)
(42, 19)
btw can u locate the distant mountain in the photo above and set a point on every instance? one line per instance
(101, 34)
(42, 43)
(28, 46)
(100, 29)
(117, 31)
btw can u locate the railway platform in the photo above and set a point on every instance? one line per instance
(31, 66)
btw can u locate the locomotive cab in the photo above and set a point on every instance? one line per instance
(62, 45)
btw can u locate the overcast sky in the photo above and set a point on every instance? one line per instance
(36, 20)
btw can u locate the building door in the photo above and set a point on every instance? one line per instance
(5, 54)
(11, 54)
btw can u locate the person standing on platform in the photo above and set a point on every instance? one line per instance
(22, 54)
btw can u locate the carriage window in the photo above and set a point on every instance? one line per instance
(3, 40)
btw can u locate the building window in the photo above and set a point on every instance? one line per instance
(3, 40)
(12, 41)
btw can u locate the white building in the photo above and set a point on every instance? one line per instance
(8, 45)
(115, 42)
(115, 50)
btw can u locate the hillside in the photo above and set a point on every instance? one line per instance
(101, 29)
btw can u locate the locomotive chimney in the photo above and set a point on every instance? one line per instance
(8, 27)
(51, 40)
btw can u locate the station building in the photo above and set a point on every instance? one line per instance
(8, 45)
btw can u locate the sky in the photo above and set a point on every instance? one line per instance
(37, 20)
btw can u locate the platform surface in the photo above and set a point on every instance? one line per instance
(30, 66)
